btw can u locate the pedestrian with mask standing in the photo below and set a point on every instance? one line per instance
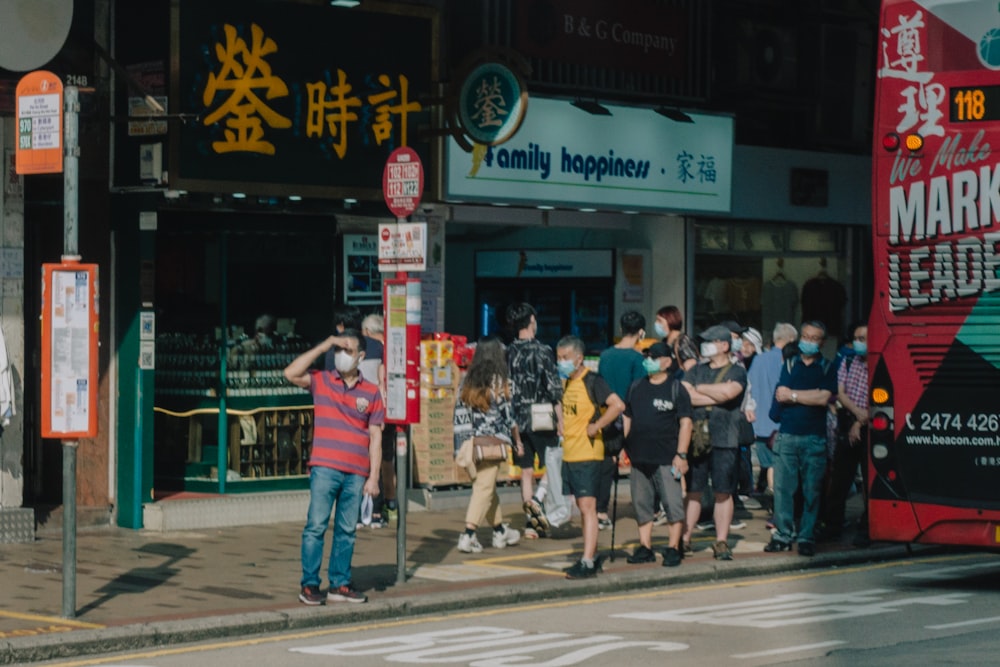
(343, 463)
(800, 405)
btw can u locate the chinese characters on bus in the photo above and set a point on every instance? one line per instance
(242, 91)
(920, 101)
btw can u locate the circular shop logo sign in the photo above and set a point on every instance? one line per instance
(491, 104)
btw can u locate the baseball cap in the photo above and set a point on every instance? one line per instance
(733, 326)
(657, 350)
(716, 332)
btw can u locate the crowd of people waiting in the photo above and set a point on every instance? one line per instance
(693, 415)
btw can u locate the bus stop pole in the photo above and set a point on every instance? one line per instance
(402, 467)
(71, 179)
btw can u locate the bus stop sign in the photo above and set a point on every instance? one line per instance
(403, 181)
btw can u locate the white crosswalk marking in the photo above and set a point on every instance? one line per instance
(795, 609)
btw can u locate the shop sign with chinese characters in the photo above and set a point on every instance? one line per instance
(290, 94)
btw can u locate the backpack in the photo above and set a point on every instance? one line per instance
(612, 434)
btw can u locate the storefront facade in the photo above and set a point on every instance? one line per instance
(260, 193)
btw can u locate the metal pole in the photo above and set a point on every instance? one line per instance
(402, 450)
(71, 191)
(71, 171)
(69, 529)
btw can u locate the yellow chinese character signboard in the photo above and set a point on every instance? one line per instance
(291, 96)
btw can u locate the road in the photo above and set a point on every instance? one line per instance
(934, 610)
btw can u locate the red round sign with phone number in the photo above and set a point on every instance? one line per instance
(403, 181)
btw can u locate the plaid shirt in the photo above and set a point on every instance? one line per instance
(533, 377)
(853, 377)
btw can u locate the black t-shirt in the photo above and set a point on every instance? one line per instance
(655, 411)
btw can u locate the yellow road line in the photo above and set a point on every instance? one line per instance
(48, 619)
(518, 609)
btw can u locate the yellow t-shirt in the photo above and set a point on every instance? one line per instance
(578, 410)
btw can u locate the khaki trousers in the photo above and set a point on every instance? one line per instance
(485, 502)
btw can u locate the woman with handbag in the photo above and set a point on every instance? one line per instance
(484, 430)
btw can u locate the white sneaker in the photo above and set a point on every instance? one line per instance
(506, 537)
(470, 544)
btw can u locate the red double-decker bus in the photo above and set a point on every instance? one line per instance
(934, 331)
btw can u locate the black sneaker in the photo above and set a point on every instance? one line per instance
(671, 557)
(774, 546)
(807, 549)
(642, 554)
(345, 593)
(311, 595)
(581, 571)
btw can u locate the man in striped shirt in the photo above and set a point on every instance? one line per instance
(344, 461)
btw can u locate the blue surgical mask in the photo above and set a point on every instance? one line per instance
(566, 368)
(808, 347)
(860, 347)
(659, 330)
(651, 365)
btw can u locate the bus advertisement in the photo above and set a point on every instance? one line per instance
(934, 330)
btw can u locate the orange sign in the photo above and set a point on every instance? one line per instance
(39, 124)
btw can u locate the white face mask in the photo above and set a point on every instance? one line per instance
(344, 361)
(709, 349)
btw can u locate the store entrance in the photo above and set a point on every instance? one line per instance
(235, 302)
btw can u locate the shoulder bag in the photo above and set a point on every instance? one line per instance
(701, 438)
(489, 449)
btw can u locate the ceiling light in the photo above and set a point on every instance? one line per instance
(591, 107)
(294, 197)
(345, 3)
(588, 210)
(239, 195)
(674, 114)
(544, 207)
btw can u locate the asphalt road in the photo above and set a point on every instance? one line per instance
(921, 611)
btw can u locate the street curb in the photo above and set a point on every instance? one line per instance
(166, 633)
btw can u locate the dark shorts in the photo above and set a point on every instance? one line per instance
(581, 478)
(721, 464)
(389, 442)
(535, 443)
(647, 481)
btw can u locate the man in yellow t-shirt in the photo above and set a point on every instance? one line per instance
(583, 446)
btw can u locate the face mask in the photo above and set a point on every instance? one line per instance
(860, 347)
(660, 333)
(808, 347)
(344, 362)
(566, 368)
(651, 365)
(709, 349)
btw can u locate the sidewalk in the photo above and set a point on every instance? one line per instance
(142, 588)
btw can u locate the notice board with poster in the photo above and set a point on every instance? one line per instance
(362, 278)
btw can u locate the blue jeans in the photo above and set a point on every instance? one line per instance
(798, 459)
(326, 487)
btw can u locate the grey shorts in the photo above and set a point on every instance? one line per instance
(646, 481)
(581, 478)
(720, 464)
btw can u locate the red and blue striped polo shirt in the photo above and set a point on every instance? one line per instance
(342, 415)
